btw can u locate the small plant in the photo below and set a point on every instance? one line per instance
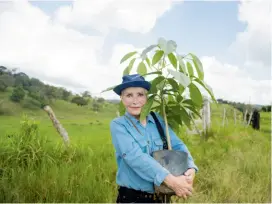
(26, 147)
(175, 87)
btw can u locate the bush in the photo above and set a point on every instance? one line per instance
(18, 94)
(80, 101)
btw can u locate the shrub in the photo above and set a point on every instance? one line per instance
(18, 94)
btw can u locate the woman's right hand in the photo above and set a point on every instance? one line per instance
(179, 185)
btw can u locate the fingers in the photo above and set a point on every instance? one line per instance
(184, 193)
(189, 188)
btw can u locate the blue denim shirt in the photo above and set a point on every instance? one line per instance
(137, 169)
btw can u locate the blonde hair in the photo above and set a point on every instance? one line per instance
(122, 92)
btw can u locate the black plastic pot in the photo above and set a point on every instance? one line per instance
(176, 162)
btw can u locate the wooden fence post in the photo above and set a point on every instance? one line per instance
(224, 116)
(250, 116)
(206, 115)
(234, 116)
(63, 133)
(245, 117)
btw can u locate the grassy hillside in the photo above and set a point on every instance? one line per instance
(234, 164)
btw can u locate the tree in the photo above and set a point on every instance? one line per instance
(86, 94)
(6, 81)
(3, 70)
(49, 93)
(266, 108)
(80, 101)
(36, 82)
(21, 79)
(100, 100)
(66, 94)
(18, 94)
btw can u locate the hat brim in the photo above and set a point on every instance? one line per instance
(143, 84)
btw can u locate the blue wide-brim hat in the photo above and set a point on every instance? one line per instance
(133, 80)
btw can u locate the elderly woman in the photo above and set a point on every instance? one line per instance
(138, 171)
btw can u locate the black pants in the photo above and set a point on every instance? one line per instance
(127, 195)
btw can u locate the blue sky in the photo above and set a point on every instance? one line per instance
(204, 28)
(235, 53)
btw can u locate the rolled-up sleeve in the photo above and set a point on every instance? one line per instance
(143, 164)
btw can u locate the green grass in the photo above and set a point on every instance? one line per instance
(234, 163)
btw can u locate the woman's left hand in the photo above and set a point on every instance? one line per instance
(190, 175)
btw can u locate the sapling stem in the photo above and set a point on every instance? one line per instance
(166, 126)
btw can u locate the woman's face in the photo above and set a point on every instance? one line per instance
(134, 98)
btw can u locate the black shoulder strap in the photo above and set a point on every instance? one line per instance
(159, 127)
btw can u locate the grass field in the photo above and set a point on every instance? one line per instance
(234, 163)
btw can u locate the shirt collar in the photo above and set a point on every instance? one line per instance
(149, 117)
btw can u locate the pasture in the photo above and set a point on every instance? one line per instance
(234, 163)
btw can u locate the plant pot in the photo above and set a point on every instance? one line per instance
(176, 162)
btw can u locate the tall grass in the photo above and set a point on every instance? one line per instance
(234, 164)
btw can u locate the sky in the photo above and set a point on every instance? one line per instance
(79, 44)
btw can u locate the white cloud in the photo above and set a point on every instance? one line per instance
(54, 53)
(230, 82)
(132, 15)
(254, 44)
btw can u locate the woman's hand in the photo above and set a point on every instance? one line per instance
(179, 185)
(190, 175)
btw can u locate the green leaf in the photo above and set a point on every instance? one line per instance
(146, 50)
(190, 69)
(148, 61)
(180, 77)
(181, 89)
(150, 73)
(122, 108)
(170, 98)
(207, 87)
(184, 116)
(174, 125)
(192, 108)
(128, 55)
(198, 66)
(171, 46)
(195, 94)
(156, 58)
(129, 67)
(108, 89)
(173, 83)
(141, 68)
(147, 107)
(182, 67)
(154, 84)
(167, 46)
(161, 85)
(126, 71)
(179, 98)
(172, 58)
(188, 102)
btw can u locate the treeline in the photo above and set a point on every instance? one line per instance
(242, 106)
(34, 92)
